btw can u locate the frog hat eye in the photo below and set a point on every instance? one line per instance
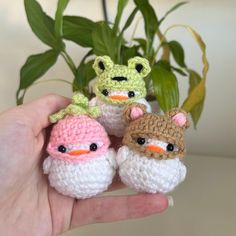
(141, 65)
(102, 63)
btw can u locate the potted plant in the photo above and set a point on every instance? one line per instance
(107, 38)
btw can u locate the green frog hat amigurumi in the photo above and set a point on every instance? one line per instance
(116, 87)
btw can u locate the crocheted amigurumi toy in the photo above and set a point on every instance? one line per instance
(117, 86)
(149, 161)
(80, 164)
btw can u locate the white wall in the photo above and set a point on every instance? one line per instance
(215, 20)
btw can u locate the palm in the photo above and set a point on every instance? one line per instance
(25, 196)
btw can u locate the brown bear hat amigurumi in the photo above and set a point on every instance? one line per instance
(149, 160)
(168, 129)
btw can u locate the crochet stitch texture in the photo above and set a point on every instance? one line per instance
(159, 127)
(80, 164)
(149, 175)
(149, 161)
(117, 86)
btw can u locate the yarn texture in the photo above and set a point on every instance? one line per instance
(150, 161)
(79, 106)
(149, 175)
(82, 179)
(80, 164)
(160, 127)
(117, 86)
(112, 118)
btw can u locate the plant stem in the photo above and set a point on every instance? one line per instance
(135, 29)
(53, 80)
(166, 50)
(69, 62)
(200, 43)
(21, 99)
(104, 9)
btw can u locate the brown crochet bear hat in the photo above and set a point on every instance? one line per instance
(167, 129)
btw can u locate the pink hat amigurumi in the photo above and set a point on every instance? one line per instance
(80, 164)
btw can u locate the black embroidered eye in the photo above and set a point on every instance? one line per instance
(131, 94)
(101, 65)
(93, 147)
(105, 92)
(61, 149)
(139, 67)
(141, 141)
(170, 147)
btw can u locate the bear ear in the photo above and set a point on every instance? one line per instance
(134, 111)
(102, 63)
(141, 65)
(179, 117)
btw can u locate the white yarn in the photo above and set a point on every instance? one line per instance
(144, 174)
(112, 118)
(82, 179)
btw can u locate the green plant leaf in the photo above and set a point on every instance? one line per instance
(177, 52)
(104, 41)
(129, 52)
(142, 43)
(195, 96)
(36, 66)
(41, 24)
(164, 64)
(165, 87)
(85, 73)
(171, 10)
(178, 70)
(150, 18)
(129, 20)
(200, 43)
(79, 30)
(61, 6)
(120, 7)
(89, 53)
(197, 93)
(194, 80)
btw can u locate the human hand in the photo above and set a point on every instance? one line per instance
(28, 205)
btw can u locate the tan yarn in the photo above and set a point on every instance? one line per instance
(154, 126)
(127, 110)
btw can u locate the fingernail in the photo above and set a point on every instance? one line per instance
(170, 201)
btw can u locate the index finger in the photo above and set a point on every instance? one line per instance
(115, 208)
(39, 110)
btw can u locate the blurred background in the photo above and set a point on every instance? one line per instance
(205, 202)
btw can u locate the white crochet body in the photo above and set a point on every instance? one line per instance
(149, 175)
(112, 116)
(82, 179)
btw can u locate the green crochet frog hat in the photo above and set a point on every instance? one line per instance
(119, 84)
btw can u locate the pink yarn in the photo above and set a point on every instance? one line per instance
(180, 119)
(74, 130)
(136, 112)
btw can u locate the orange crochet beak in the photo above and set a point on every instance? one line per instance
(78, 152)
(119, 97)
(154, 148)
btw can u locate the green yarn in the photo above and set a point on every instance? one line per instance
(106, 70)
(79, 106)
